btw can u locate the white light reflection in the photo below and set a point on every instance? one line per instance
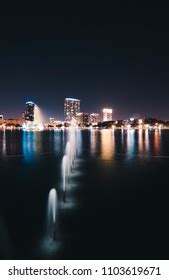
(4, 143)
(93, 141)
(131, 143)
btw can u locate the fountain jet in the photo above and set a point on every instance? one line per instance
(64, 174)
(51, 215)
(68, 154)
(38, 123)
(72, 138)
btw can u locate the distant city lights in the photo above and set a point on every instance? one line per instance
(107, 115)
(32, 119)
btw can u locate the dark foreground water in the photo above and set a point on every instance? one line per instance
(117, 200)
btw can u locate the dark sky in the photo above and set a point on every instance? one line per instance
(115, 58)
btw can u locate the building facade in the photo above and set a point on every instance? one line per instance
(94, 118)
(29, 112)
(107, 115)
(71, 108)
(83, 119)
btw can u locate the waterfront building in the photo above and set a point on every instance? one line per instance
(71, 108)
(29, 112)
(94, 118)
(107, 114)
(83, 119)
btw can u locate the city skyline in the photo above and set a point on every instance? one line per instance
(101, 113)
(117, 59)
(16, 112)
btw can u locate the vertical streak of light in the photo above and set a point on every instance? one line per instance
(93, 146)
(107, 144)
(156, 142)
(4, 143)
(131, 142)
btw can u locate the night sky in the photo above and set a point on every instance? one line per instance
(116, 58)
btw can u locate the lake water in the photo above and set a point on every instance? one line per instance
(116, 203)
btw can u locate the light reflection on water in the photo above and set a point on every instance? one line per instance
(58, 141)
(141, 141)
(131, 144)
(4, 143)
(147, 141)
(157, 136)
(93, 141)
(29, 145)
(103, 143)
(87, 183)
(107, 144)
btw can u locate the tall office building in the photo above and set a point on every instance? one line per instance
(83, 119)
(94, 118)
(107, 114)
(71, 108)
(29, 112)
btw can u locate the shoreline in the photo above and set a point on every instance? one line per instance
(86, 128)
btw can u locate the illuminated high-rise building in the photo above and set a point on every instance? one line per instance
(94, 118)
(71, 108)
(107, 115)
(83, 118)
(29, 112)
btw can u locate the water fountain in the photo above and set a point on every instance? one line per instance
(73, 142)
(49, 243)
(68, 154)
(64, 175)
(72, 156)
(38, 123)
(51, 213)
(68, 158)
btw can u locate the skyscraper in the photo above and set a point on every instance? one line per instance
(71, 108)
(107, 114)
(83, 119)
(29, 112)
(94, 118)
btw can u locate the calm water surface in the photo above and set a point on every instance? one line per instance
(117, 200)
